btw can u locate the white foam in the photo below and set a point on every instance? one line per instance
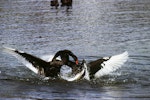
(65, 70)
(49, 58)
(73, 77)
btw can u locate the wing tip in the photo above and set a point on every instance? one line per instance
(125, 55)
(11, 50)
(8, 48)
(15, 53)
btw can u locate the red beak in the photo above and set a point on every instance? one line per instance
(77, 62)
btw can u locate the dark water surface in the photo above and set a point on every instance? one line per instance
(91, 29)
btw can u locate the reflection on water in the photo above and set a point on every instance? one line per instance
(91, 29)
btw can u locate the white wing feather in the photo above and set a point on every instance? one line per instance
(23, 60)
(112, 64)
(86, 76)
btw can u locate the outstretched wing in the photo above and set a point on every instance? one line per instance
(30, 61)
(112, 64)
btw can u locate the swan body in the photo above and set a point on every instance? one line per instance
(88, 71)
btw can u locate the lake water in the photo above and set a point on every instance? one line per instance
(91, 29)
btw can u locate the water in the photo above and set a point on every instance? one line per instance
(91, 29)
